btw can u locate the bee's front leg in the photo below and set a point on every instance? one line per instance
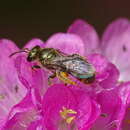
(36, 67)
(51, 77)
(63, 76)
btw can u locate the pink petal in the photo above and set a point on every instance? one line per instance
(106, 73)
(126, 120)
(68, 43)
(84, 108)
(36, 125)
(23, 114)
(112, 76)
(115, 105)
(113, 109)
(124, 93)
(11, 90)
(87, 34)
(98, 61)
(116, 47)
(31, 78)
(54, 99)
(96, 111)
(59, 96)
(34, 42)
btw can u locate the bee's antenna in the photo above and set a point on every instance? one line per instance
(26, 50)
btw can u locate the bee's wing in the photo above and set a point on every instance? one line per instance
(79, 66)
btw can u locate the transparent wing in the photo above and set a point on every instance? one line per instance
(79, 66)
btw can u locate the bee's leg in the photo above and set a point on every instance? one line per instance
(51, 77)
(36, 67)
(63, 76)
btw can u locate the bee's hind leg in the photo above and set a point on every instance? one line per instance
(63, 76)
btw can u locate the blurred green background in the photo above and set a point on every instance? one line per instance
(22, 20)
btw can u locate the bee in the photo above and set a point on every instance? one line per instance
(61, 65)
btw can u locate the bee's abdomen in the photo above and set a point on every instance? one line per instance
(88, 80)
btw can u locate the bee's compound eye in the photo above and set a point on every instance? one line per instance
(29, 58)
(36, 48)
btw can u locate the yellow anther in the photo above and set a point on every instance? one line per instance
(70, 119)
(70, 111)
(64, 114)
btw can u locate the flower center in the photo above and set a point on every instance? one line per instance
(68, 114)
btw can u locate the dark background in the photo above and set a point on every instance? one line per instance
(22, 20)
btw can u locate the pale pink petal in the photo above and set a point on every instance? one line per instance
(22, 114)
(68, 43)
(87, 33)
(116, 46)
(11, 90)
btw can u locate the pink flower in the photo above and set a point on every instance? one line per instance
(102, 105)
(11, 90)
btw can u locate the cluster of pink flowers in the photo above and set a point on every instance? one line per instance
(27, 102)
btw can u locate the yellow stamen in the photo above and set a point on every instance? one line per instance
(64, 114)
(70, 119)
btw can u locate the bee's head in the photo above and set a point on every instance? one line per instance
(33, 53)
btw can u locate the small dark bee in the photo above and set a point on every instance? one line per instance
(61, 64)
